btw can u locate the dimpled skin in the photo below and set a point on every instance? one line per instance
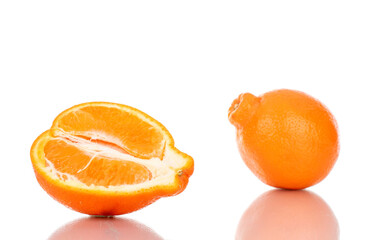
(287, 138)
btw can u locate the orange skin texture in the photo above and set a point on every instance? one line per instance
(100, 202)
(287, 138)
(288, 215)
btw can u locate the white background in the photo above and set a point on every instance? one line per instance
(183, 62)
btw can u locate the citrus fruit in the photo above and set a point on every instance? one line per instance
(288, 215)
(105, 229)
(287, 138)
(104, 158)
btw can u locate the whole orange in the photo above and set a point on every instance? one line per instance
(287, 138)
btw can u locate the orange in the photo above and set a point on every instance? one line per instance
(287, 138)
(104, 158)
(288, 215)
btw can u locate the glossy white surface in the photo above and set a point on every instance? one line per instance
(183, 63)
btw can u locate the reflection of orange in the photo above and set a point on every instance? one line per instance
(104, 229)
(288, 215)
(287, 138)
(108, 159)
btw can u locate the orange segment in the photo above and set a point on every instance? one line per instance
(109, 123)
(90, 167)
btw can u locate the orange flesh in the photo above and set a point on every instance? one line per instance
(90, 167)
(115, 126)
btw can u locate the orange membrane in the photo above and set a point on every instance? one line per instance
(105, 143)
(90, 166)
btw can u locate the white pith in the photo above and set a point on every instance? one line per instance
(164, 171)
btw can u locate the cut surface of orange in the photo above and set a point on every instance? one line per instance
(104, 158)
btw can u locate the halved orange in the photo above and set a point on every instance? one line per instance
(104, 158)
